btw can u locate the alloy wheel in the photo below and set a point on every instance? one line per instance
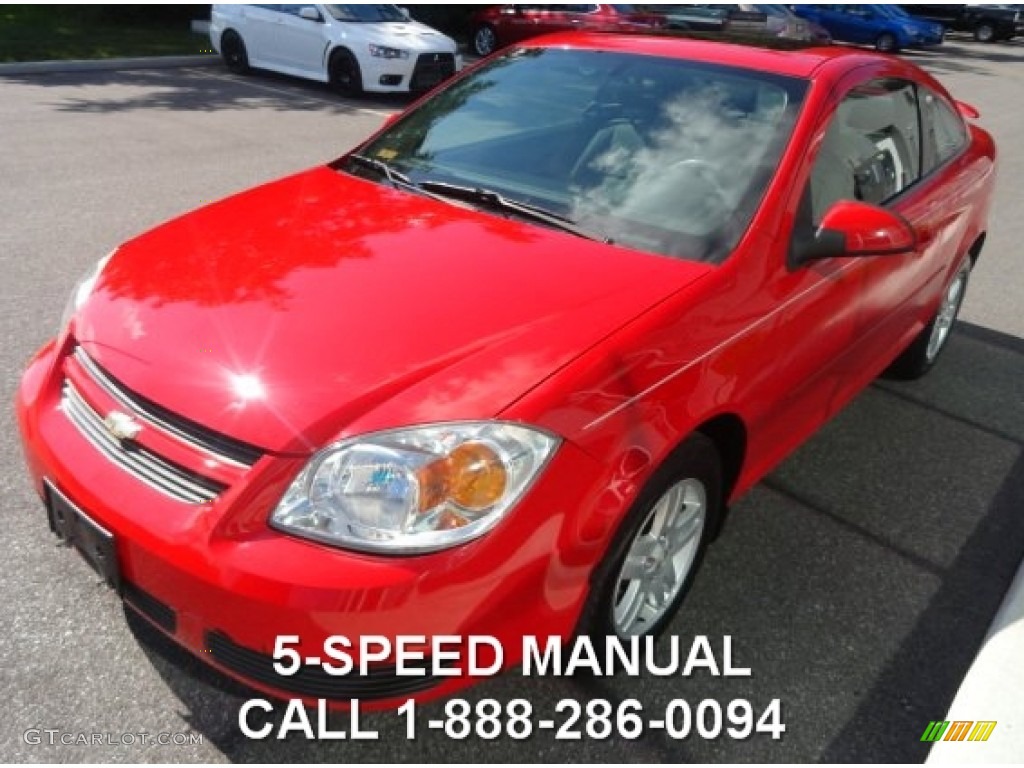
(948, 310)
(660, 558)
(484, 41)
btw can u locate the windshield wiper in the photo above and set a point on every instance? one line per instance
(441, 190)
(495, 201)
(395, 177)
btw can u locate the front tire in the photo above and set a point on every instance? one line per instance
(652, 561)
(345, 74)
(922, 354)
(985, 33)
(887, 43)
(485, 40)
(232, 50)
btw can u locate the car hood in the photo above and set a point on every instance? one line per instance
(411, 36)
(322, 303)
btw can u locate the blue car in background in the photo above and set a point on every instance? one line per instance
(887, 27)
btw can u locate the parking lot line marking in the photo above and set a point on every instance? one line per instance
(262, 86)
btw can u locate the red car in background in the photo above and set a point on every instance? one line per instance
(501, 25)
(500, 369)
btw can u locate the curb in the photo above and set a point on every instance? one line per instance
(93, 65)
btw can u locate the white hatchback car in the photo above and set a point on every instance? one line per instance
(355, 47)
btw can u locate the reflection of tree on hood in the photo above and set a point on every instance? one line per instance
(330, 219)
(249, 259)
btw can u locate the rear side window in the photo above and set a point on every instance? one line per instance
(872, 147)
(944, 129)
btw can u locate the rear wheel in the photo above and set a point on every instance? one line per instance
(985, 33)
(887, 43)
(923, 352)
(232, 50)
(654, 557)
(345, 74)
(485, 40)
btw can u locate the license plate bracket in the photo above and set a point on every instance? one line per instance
(94, 542)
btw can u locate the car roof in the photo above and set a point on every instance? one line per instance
(793, 62)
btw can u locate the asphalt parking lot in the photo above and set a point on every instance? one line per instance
(857, 581)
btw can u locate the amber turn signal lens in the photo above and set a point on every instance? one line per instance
(471, 476)
(477, 476)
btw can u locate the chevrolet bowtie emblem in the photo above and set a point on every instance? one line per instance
(122, 426)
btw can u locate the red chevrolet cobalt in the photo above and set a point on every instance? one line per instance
(499, 370)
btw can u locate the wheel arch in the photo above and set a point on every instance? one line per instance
(339, 49)
(728, 433)
(227, 31)
(335, 50)
(975, 250)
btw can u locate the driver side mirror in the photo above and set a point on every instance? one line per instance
(853, 229)
(310, 13)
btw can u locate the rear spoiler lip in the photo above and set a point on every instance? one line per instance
(967, 110)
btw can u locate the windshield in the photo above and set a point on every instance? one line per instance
(662, 155)
(892, 12)
(366, 13)
(778, 11)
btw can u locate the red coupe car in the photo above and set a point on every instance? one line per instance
(499, 370)
(496, 26)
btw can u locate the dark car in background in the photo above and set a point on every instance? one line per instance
(499, 25)
(885, 27)
(988, 23)
(738, 18)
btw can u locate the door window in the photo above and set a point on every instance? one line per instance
(872, 148)
(944, 129)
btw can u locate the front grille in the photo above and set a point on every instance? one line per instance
(223, 448)
(313, 682)
(171, 479)
(431, 69)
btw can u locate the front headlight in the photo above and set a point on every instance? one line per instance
(83, 289)
(414, 490)
(384, 52)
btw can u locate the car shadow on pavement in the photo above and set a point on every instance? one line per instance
(202, 89)
(857, 583)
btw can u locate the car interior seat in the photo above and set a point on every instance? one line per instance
(893, 162)
(860, 157)
(614, 123)
(608, 153)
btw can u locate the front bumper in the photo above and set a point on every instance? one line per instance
(216, 579)
(419, 72)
